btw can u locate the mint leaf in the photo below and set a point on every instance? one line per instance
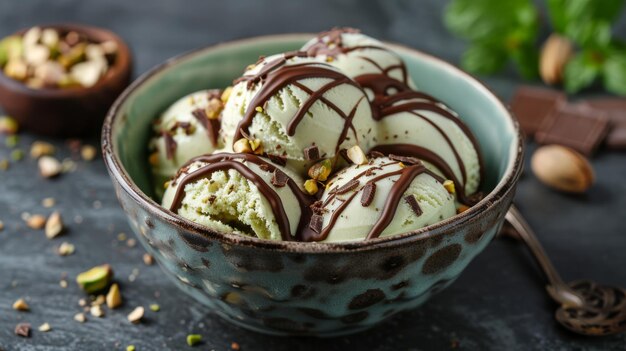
(590, 34)
(480, 19)
(483, 59)
(580, 72)
(526, 58)
(615, 73)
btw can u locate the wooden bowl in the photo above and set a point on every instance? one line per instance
(68, 112)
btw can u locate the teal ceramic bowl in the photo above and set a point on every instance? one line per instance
(294, 288)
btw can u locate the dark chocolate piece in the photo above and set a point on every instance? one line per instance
(312, 153)
(407, 160)
(317, 222)
(279, 178)
(170, 145)
(351, 185)
(615, 109)
(369, 190)
(578, 127)
(375, 154)
(212, 126)
(277, 159)
(410, 199)
(533, 105)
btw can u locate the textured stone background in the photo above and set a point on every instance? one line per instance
(497, 304)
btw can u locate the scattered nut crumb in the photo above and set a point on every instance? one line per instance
(49, 166)
(41, 148)
(130, 348)
(63, 283)
(99, 300)
(21, 305)
(54, 225)
(194, 339)
(2, 228)
(114, 297)
(234, 346)
(36, 221)
(88, 152)
(44, 328)
(96, 311)
(131, 242)
(356, 155)
(136, 315)
(155, 308)
(148, 260)
(121, 236)
(80, 317)
(65, 249)
(68, 166)
(48, 202)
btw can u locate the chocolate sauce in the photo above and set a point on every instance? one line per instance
(223, 162)
(276, 75)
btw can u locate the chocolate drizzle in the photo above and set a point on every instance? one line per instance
(407, 175)
(223, 162)
(170, 144)
(277, 74)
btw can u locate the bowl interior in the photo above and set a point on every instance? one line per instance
(217, 66)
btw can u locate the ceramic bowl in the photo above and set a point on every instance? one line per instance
(294, 288)
(68, 112)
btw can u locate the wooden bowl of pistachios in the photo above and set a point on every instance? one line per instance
(59, 80)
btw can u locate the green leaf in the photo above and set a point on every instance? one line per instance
(590, 34)
(526, 59)
(580, 72)
(483, 59)
(615, 73)
(481, 19)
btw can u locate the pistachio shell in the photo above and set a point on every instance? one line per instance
(562, 168)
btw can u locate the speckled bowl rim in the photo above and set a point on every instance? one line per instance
(448, 226)
(122, 64)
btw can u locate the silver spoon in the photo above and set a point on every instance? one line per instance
(586, 307)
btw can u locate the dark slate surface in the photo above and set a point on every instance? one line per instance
(497, 304)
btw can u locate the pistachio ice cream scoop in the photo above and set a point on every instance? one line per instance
(359, 57)
(298, 109)
(188, 128)
(381, 198)
(239, 193)
(416, 124)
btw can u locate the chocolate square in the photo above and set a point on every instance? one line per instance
(615, 109)
(577, 126)
(532, 105)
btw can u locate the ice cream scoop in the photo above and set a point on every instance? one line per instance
(239, 193)
(188, 128)
(359, 57)
(416, 124)
(383, 197)
(291, 103)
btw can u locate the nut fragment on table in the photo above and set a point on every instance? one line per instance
(36, 221)
(95, 279)
(8, 125)
(556, 52)
(50, 58)
(49, 166)
(562, 168)
(54, 225)
(136, 315)
(20, 305)
(114, 297)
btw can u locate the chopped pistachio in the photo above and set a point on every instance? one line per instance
(88, 152)
(449, 185)
(41, 148)
(155, 308)
(130, 348)
(17, 69)
(114, 297)
(4, 165)
(11, 141)
(259, 109)
(36, 221)
(194, 339)
(80, 317)
(2, 227)
(242, 146)
(8, 125)
(310, 185)
(214, 108)
(17, 154)
(65, 249)
(21, 305)
(96, 311)
(95, 279)
(356, 155)
(49, 166)
(136, 315)
(226, 94)
(321, 170)
(54, 225)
